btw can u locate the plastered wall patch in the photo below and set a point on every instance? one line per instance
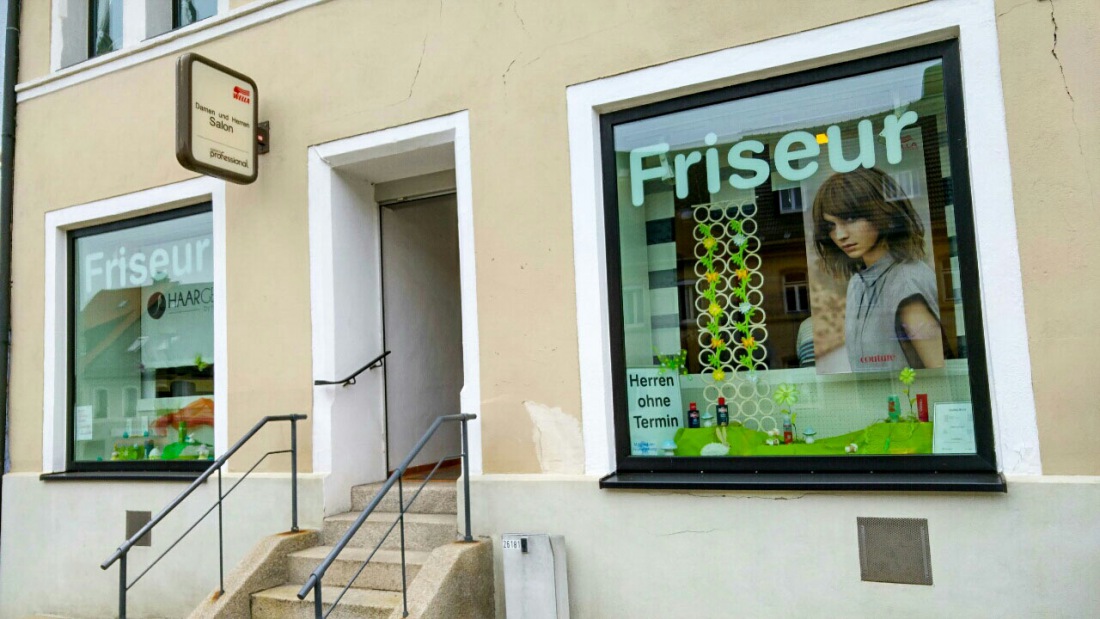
(557, 436)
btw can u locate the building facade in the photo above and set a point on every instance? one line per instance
(866, 226)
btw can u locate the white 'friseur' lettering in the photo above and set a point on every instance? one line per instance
(791, 148)
(140, 267)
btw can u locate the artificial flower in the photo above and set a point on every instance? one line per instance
(709, 242)
(713, 277)
(907, 376)
(715, 310)
(718, 343)
(745, 307)
(719, 376)
(785, 394)
(740, 239)
(742, 273)
(748, 342)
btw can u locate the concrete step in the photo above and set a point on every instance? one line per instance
(422, 531)
(382, 573)
(283, 603)
(437, 497)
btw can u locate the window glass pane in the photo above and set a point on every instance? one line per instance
(106, 26)
(143, 337)
(847, 182)
(191, 11)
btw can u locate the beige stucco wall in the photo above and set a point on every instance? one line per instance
(714, 555)
(507, 64)
(1049, 51)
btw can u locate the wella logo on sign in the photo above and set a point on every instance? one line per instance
(240, 94)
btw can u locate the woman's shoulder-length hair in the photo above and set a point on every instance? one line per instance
(871, 194)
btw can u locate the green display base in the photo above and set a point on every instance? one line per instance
(877, 439)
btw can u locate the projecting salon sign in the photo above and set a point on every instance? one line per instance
(216, 119)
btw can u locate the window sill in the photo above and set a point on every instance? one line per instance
(181, 476)
(890, 482)
(173, 41)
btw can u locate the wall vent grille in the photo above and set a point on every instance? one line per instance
(894, 550)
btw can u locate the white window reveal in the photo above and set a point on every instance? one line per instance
(85, 29)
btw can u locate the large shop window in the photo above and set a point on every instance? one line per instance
(141, 352)
(778, 254)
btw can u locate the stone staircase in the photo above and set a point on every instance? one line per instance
(376, 593)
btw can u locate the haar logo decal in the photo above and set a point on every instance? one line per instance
(179, 300)
(240, 94)
(156, 305)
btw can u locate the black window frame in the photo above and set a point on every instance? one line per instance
(138, 466)
(976, 471)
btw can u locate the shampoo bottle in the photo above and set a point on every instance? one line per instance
(723, 413)
(693, 416)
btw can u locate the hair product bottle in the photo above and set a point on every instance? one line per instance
(893, 404)
(922, 407)
(723, 413)
(693, 416)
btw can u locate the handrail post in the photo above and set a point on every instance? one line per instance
(122, 586)
(294, 475)
(221, 537)
(317, 600)
(404, 581)
(466, 477)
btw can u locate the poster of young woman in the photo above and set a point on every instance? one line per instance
(873, 285)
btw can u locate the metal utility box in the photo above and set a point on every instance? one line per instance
(535, 583)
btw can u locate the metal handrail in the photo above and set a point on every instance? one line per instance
(350, 380)
(315, 578)
(120, 555)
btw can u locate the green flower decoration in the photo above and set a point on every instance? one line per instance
(199, 363)
(907, 376)
(675, 363)
(785, 395)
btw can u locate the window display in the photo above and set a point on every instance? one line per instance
(142, 341)
(780, 248)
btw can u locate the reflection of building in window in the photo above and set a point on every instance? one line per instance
(790, 200)
(131, 402)
(100, 404)
(947, 282)
(796, 292)
(908, 186)
(105, 27)
(187, 12)
(633, 309)
(688, 299)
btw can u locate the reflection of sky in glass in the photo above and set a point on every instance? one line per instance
(787, 110)
(191, 11)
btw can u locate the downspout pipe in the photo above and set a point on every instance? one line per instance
(7, 178)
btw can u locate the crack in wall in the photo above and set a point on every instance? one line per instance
(686, 531)
(423, 52)
(419, 63)
(515, 10)
(1014, 7)
(1054, 50)
(504, 76)
(1065, 84)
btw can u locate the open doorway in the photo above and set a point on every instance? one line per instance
(392, 268)
(422, 310)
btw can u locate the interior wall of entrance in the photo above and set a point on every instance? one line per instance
(423, 326)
